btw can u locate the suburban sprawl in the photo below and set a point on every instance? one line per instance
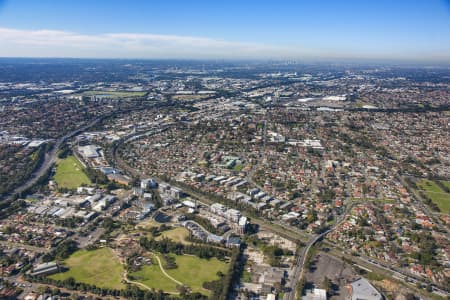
(124, 179)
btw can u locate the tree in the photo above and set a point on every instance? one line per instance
(43, 289)
(56, 291)
(183, 290)
(410, 296)
(300, 287)
(327, 284)
(135, 181)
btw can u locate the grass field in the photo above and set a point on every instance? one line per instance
(115, 94)
(100, 267)
(178, 234)
(153, 277)
(69, 173)
(429, 186)
(436, 194)
(246, 276)
(446, 183)
(193, 271)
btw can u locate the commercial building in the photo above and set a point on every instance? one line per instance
(45, 269)
(242, 225)
(149, 183)
(233, 242)
(315, 294)
(217, 209)
(362, 289)
(233, 215)
(89, 151)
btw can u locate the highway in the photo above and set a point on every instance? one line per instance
(49, 160)
(50, 157)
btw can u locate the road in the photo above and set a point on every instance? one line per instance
(301, 259)
(405, 276)
(263, 157)
(399, 274)
(28, 247)
(50, 157)
(283, 230)
(299, 267)
(49, 160)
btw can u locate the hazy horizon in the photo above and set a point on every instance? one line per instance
(404, 31)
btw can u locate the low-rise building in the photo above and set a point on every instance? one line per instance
(45, 269)
(315, 294)
(362, 289)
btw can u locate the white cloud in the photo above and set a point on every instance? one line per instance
(54, 43)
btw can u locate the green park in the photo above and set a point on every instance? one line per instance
(70, 174)
(99, 267)
(440, 197)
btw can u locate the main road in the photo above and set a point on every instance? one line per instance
(281, 229)
(301, 259)
(50, 157)
(49, 160)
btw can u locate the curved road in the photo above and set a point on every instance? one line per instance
(299, 269)
(50, 157)
(287, 232)
(300, 266)
(224, 236)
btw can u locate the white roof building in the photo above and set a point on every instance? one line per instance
(315, 294)
(242, 221)
(271, 297)
(189, 204)
(362, 289)
(89, 151)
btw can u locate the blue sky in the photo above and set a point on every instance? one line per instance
(372, 29)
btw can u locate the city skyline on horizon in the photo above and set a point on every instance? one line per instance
(409, 31)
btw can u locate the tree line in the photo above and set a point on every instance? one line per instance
(62, 251)
(166, 246)
(223, 287)
(130, 292)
